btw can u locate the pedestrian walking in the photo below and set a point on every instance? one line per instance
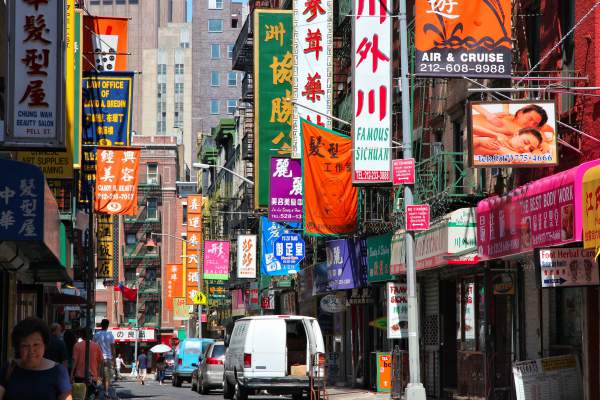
(106, 341)
(119, 363)
(161, 365)
(57, 349)
(142, 366)
(95, 361)
(32, 376)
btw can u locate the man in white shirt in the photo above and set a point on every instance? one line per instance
(106, 341)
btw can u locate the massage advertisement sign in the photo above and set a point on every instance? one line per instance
(463, 38)
(512, 133)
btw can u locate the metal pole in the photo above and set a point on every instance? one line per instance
(199, 289)
(136, 329)
(414, 390)
(90, 286)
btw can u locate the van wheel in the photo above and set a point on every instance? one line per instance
(177, 382)
(240, 393)
(227, 390)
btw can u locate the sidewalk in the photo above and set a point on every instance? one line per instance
(342, 393)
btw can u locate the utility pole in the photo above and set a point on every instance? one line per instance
(415, 389)
(200, 279)
(136, 329)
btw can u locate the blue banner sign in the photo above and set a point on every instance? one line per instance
(270, 232)
(289, 249)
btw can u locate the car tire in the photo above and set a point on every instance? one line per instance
(173, 380)
(240, 393)
(193, 387)
(227, 389)
(201, 388)
(177, 382)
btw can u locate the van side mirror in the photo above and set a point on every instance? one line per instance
(227, 340)
(194, 365)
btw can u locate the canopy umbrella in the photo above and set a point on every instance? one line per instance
(160, 348)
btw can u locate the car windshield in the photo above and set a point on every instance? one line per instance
(218, 351)
(193, 347)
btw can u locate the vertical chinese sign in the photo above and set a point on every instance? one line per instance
(216, 260)
(463, 38)
(330, 200)
(193, 246)
(285, 190)
(116, 180)
(105, 246)
(379, 258)
(246, 256)
(35, 89)
(372, 86)
(174, 284)
(313, 66)
(273, 75)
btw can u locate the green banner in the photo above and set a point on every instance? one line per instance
(378, 253)
(273, 74)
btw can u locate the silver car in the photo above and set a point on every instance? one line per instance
(210, 370)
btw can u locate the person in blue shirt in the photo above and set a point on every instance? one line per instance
(142, 366)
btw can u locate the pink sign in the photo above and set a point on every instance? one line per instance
(543, 213)
(216, 259)
(417, 217)
(403, 171)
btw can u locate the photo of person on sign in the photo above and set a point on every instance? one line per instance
(501, 129)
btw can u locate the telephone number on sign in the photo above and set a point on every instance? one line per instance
(463, 68)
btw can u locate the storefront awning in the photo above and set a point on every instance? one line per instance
(31, 233)
(544, 213)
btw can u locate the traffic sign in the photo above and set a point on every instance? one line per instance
(403, 171)
(417, 217)
(199, 299)
(288, 249)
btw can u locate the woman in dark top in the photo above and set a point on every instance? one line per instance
(31, 376)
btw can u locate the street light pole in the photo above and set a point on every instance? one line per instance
(136, 329)
(415, 389)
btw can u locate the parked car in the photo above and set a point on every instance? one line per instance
(208, 374)
(186, 354)
(273, 353)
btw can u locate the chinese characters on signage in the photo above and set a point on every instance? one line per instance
(342, 267)
(273, 74)
(116, 180)
(512, 133)
(289, 250)
(568, 266)
(174, 283)
(285, 199)
(181, 310)
(372, 86)
(246, 256)
(270, 232)
(378, 252)
(128, 335)
(216, 260)
(463, 38)
(397, 311)
(330, 199)
(313, 70)
(35, 88)
(591, 208)
(193, 246)
(105, 246)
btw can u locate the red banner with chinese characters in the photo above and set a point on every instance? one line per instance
(330, 200)
(193, 245)
(104, 43)
(174, 283)
(116, 180)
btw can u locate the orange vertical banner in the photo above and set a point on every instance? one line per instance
(174, 284)
(116, 180)
(330, 200)
(104, 43)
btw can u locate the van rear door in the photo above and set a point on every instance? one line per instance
(266, 344)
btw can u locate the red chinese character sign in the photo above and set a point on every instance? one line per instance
(246, 256)
(372, 86)
(116, 180)
(417, 217)
(313, 70)
(35, 75)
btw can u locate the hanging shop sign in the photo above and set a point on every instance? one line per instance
(285, 190)
(333, 303)
(378, 250)
(403, 171)
(547, 212)
(246, 256)
(590, 203)
(273, 76)
(105, 43)
(342, 265)
(361, 296)
(216, 290)
(313, 65)
(463, 38)
(512, 133)
(216, 260)
(397, 310)
(122, 335)
(269, 264)
(504, 284)
(174, 283)
(105, 246)
(417, 217)
(372, 92)
(194, 223)
(181, 310)
(568, 266)
(549, 378)
(116, 180)
(35, 97)
(289, 250)
(330, 199)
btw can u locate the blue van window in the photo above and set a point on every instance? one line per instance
(193, 347)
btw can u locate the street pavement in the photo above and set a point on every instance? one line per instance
(152, 390)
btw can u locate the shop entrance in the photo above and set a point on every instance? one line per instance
(449, 336)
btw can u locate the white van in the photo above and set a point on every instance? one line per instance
(272, 353)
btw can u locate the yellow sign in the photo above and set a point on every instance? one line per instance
(105, 246)
(200, 298)
(590, 208)
(54, 164)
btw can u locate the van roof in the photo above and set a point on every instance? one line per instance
(261, 317)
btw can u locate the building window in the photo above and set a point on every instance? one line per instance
(234, 23)
(94, 2)
(215, 4)
(161, 127)
(152, 173)
(120, 2)
(131, 238)
(162, 69)
(231, 106)
(214, 78)
(179, 88)
(230, 51)
(214, 106)
(133, 1)
(100, 310)
(178, 69)
(215, 25)
(152, 208)
(232, 78)
(107, 2)
(185, 214)
(215, 51)
(161, 88)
